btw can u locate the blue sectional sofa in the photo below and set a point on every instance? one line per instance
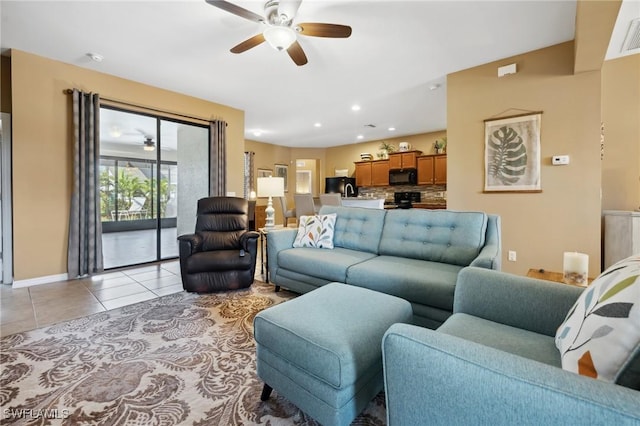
(414, 254)
(494, 361)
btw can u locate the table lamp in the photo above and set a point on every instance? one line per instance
(270, 187)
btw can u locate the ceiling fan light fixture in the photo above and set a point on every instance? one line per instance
(149, 145)
(280, 38)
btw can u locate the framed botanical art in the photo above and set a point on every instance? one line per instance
(512, 154)
(282, 171)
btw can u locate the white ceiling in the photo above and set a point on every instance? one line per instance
(397, 51)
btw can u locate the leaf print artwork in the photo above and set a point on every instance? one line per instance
(508, 156)
(512, 153)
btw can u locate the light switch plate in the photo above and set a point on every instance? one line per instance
(560, 160)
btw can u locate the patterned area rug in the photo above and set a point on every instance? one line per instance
(179, 359)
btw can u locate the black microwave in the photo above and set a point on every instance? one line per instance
(403, 177)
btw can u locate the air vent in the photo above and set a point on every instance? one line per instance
(632, 41)
(370, 125)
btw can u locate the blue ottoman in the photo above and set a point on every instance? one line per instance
(322, 350)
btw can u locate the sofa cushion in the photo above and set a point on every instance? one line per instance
(331, 265)
(357, 228)
(527, 344)
(418, 281)
(439, 236)
(600, 336)
(316, 231)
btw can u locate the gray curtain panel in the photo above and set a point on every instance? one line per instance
(85, 228)
(218, 158)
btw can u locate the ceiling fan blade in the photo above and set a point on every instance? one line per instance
(289, 8)
(297, 54)
(316, 29)
(236, 10)
(248, 44)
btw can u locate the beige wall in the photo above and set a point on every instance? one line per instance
(566, 215)
(42, 150)
(621, 118)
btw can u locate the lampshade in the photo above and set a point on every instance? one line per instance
(270, 187)
(280, 38)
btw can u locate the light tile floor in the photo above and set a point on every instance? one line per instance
(23, 309)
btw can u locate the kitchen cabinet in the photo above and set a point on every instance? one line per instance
(372, 173)
(403, 160)
(432, 169)
(380, 173)
(363, 173)
(440, 170)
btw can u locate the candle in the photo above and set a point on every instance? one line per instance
(575, 268)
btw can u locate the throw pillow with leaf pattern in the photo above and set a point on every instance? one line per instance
(600, 337)
(316, 231)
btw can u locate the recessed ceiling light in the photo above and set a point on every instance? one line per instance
(317, 125)
(95, 57)
(355, 108)
(257, 133)
(392, 129)
(360, 137)
(434, 86)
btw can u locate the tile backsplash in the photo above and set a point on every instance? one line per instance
(428, 193)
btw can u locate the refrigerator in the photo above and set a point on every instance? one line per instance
(339, 184)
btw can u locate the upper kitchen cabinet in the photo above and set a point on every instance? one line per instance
(440, 170)
(403, 160)
(372, 173)
(432, 169)
(363, 173)
(380, 173)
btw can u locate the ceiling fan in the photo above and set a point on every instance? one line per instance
(149, 144)
(280, 31)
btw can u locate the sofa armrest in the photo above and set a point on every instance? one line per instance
(531, 304)
(490, 256)
(438, 379)
(278, 240)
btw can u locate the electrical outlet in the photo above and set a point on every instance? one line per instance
(512, 256)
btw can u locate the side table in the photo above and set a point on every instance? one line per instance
(264, 259)
(551, 276)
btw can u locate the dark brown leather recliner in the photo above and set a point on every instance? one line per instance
(221, 254)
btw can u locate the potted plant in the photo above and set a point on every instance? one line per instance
(385, 149)
(440, 145)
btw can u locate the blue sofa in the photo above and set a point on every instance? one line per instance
(494, 361)
(413, 254)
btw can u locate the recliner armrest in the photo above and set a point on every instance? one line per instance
(249, 239)
(190, 243)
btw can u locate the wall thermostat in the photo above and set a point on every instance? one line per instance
(560, 160)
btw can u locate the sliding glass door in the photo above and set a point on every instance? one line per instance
(146, 163)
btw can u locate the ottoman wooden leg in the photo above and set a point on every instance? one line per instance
(266, 392)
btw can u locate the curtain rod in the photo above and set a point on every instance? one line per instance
(70, 91)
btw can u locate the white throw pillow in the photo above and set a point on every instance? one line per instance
(316, 231)
(600, 337)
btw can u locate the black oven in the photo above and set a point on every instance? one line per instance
(403, 177)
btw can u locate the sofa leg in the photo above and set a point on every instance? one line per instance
(277, 288)
(266, 392)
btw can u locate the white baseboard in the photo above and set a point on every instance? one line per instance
(40, 280)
